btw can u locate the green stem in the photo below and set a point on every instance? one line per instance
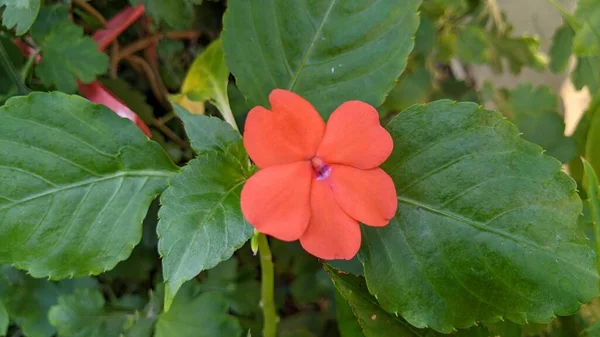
(12, 72)
(267, 288)
(29, 64)
(222, 102)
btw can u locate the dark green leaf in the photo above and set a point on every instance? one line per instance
(425, 36)
(560, 51)
(242, 296)
(20, 14)
(201, 223)
(415, 86)
(486, 225)
(28, 300)
(75, 187)
(49, 17)
(347, 323)
(16, 58)
(82, 314)
(175, 13)
(375, 321)
(4, 319)
(133, 98)
(69, 55)
(326, 51)
(203, 315)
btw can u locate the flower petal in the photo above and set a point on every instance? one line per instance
(368, 196)
(331, 233)
(291, 131)
(355, 137)
(276, 200)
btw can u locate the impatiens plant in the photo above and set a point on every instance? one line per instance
(295, 169)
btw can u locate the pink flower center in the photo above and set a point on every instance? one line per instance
(322, 169)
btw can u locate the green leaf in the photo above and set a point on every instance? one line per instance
(203, 315)
(375, 321)
(425, 36)
(326, 51)
(133, 98)
(75, 186)
(347, 322)
(28, 300)
(519, 52)
(175, 13)
(201, 223)
(591, 187)
(591, 136)
(486, 225)
(8, 88)
(560, 51)
(20, 14)
(534, 110)
(587, 37)
(4, 319)
(587, 73)
(242, 297)
(82, 314)
(414, 86)
(208, 134)
(473, 46)
(207, 79)
(69, 55)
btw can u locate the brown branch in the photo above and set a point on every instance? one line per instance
(90, 10)
(155, 82)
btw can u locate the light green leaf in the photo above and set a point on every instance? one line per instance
(201, 223)
(425, 36)
(4, 319)
(486, 225)
(375, 321)
(445, 7)
(75, 187)
(587, 73)
(82, 314)
(519, 52)
(587, 37)
(591, 188)
(327, 51)
(20, 14)
(472, 45)
(207, 79)
(560, 51)
(193, 315)
(534, 110)
(69, 55)
(591, 134)
(208, 134)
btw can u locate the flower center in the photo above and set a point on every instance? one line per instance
(322, 169)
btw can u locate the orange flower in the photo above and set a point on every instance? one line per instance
(317, 182)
